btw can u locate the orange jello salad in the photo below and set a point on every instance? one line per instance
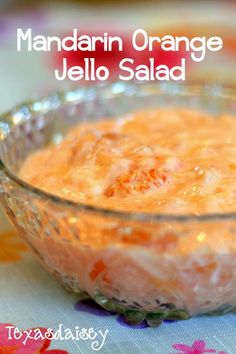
(159, 161)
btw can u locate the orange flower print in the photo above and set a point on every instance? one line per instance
(30, 341)
(11, 247)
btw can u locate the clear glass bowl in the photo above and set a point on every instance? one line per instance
(115, 257)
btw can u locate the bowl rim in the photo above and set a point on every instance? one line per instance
(59, 99)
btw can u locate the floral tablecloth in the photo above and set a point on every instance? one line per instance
(32, 302)
(36, 314)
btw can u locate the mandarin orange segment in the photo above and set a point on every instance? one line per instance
(98, 268)
(136, 181)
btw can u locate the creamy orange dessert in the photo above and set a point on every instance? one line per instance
(164, 161)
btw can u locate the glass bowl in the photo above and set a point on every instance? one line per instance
(118, 258)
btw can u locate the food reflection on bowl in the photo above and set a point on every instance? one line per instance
(136, 207)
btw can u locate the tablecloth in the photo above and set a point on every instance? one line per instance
(32, 298)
